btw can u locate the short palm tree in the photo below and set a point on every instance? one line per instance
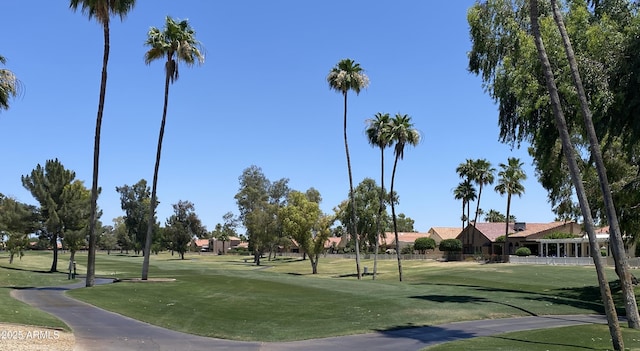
(10, 86)
(510, 180)
(348, 75)
(401, 134)
(378, 134)
(102, 10)
(177, 43)
(466, 192)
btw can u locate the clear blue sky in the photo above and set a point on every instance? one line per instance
(261, 98)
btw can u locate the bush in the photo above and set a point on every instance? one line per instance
(523, 251)
(450, 245)
(407, 250)
(424, 244)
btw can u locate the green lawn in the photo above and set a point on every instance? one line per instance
(222, 296)
(26, 273)
(577, 338)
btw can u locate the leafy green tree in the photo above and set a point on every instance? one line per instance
(451, 247)
(500, 33)
(402, 133)
(424, 244)
(301, 220)
(101, 10)
(107, 240)
(482, 174)
(46, 185)
(17, 220)
(258, 202)
(75, 211)
(123, 238)
(367, 195)
(10, 86)
(378, 129)
(135, 202)
(403, 223)
(183, 226)
(344, 76)
(617, 244)
(568, 147)
(177, 43)
(510, 180)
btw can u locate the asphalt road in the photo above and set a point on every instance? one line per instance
(98, 329)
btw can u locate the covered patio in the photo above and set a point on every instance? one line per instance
(572, 247)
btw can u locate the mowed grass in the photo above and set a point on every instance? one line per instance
(29, 272)
(575, 338)
(222, 296)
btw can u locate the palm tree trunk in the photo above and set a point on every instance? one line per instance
(91, 259)
(375, 255)
(393, 216)
(351, 197)
(506, 252)
(475, 220)
(462, 217)
(569, 152)
(622, 266)
(152, 210)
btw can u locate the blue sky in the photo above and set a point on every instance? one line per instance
(261, 98)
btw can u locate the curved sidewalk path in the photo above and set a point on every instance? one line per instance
(98, 329)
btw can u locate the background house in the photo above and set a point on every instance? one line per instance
(483, 238)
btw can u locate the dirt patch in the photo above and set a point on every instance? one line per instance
(30, 338)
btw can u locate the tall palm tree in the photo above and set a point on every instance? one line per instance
(10, 86)
(510, 180)
(177, 43)
(621, 264)
(576, 178)
(378, 134)
(402, 134)
(483, 174)
(344, 76)
(102, 10)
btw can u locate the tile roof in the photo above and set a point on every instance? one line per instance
(534, 228)
(331, 241)
(403, 237)
(201, 242)
(496, 229)
(446, 232)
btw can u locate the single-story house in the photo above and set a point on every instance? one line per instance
(483, 237)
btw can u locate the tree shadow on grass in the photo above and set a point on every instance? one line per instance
(428, 336)
(26, 270)
(552, 345)
(468, 299)
(587, 298)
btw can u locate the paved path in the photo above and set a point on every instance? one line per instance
(98, 329)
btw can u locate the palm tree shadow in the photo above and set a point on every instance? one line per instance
(537, 342)
(587, 298)
(468, 299)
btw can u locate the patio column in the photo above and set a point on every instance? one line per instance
(575, 247)
(557, 249)
(540, 251)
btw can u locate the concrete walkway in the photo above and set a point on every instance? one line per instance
(98, 329)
